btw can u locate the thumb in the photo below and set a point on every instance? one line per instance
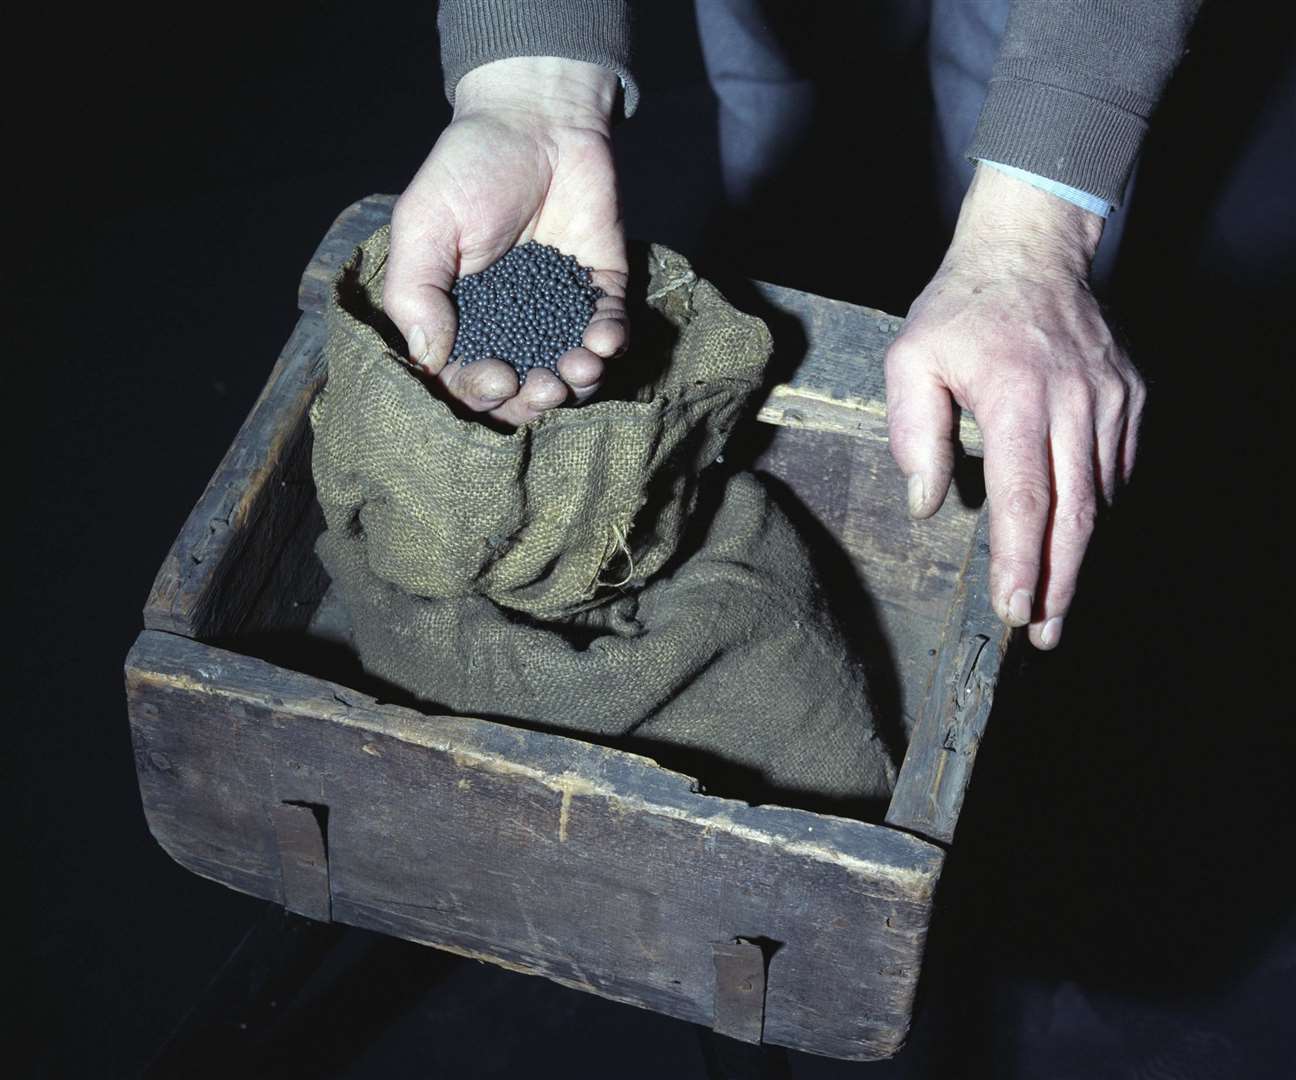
(416, 293)
(920, 420)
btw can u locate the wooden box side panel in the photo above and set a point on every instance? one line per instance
(584, 864)
(219, 564)
(943, 745)
(901, 574)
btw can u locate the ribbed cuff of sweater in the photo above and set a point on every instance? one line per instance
(1060, 133)
(475, 32)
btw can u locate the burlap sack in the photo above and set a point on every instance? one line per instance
(591, 570)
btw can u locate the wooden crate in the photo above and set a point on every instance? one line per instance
(593, 867)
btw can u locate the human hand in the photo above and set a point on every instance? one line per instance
(526, 157)
(1008, 329)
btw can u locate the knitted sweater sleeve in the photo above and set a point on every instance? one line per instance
(475, 32)
(1075, 84)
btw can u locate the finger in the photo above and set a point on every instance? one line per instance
(1133, 421)
(1108, 439)
(606, 336)
(481, 386)
(1019, 491)
(582, 371)
(421, 266)
(1071, 524)
(542, 391)
(920, 419)
(608, 333)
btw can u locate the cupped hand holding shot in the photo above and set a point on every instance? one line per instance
(1009, 329)
(526, 157)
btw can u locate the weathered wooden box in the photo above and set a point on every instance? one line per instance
(593, 867)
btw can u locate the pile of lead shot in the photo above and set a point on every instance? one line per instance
(527, 309)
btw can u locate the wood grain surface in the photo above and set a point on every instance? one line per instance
(585, 864)
(943, 746)
(234, 537)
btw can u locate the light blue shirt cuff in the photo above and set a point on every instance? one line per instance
(1082, 199)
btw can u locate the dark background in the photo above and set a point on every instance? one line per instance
(1120, 899)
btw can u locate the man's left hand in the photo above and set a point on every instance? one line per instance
(1009, 330)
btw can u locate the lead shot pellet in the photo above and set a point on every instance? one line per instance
(527, 309)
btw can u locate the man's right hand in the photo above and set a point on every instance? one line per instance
(527, 157)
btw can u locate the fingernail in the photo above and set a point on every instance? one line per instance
(917, 493)
(1019, 607)
(1052, 633)
(418, 346)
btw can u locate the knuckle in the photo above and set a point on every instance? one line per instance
(902, 355)
(1077, 520)
(903, 430)
(1013, 569)
(1013, 399)
(1026, 500)
(1111, 387)
(1081, 393)
(900, 347)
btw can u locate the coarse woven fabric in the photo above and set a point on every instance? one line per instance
(540, 519)
(594, 570)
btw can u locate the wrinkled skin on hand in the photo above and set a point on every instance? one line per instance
(1008, 329)
(526, 157)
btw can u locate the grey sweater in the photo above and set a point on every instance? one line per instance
(1072, 90)
(475, 32)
